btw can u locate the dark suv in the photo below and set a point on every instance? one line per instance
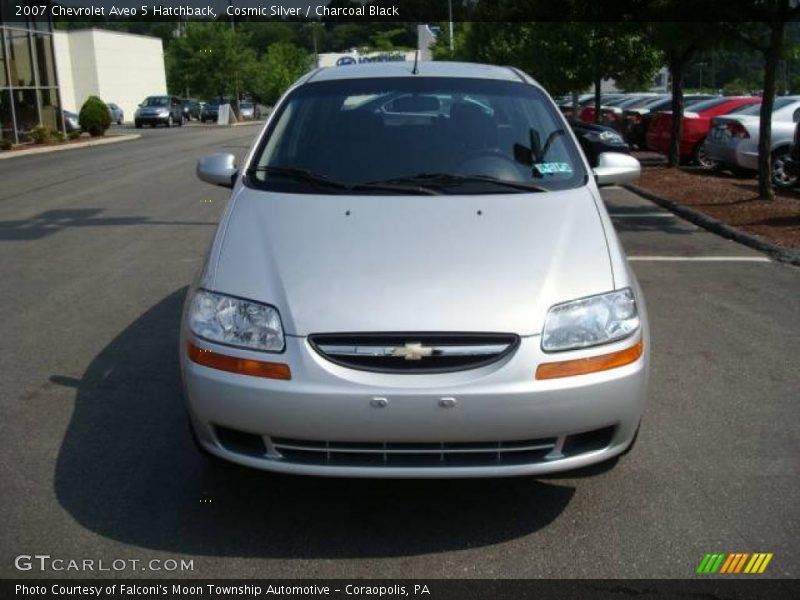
(159, 110)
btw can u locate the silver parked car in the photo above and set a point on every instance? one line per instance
(117, 115)
(415, 293)
(733, 140)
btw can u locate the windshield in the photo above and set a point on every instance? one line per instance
(755, 109)
(156, 101)
(425, 131)
(638, 102)
(712, 103)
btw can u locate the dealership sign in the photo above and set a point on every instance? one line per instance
(337, 59)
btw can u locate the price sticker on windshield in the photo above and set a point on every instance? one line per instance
(552, 168)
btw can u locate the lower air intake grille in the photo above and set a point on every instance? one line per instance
(414, 353)
(441, 454)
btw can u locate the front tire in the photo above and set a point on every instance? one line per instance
(170, 122)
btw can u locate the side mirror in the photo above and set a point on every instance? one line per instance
(217, 169)
(616, 168)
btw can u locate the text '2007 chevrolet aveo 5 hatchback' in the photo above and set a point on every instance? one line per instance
(415, 276)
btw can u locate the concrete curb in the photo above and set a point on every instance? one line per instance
(776, 252)
(45, 149)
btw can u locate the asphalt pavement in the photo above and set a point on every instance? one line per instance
(98, 246)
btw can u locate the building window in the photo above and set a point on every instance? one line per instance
(3, 75)
(20, 59)
(6, 122)
(44, 59)
(29, 94)
(49, 109)
(26, 110)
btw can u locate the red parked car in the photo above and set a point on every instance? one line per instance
(696, 125)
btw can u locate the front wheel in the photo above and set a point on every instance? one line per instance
(782, 175)
(170, 122)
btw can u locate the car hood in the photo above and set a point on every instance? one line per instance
(474, 263)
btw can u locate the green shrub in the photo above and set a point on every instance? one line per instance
(40, 134)
(94, 116)
(5, 144)
(59, 136)
(74, 135)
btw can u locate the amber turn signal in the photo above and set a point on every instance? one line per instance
(582, 366)
(232, 364)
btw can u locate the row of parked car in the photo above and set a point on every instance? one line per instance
(719, 132)
(173, 110)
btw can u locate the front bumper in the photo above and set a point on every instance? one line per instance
(326, 407)
(152, 119)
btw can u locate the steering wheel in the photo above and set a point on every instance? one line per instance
(490, 161)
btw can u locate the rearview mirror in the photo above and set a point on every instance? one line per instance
(616, 168)
(217, 169)
(415, 104)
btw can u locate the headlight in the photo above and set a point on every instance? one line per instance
(235, 322)
(590, 321)
(163, 112)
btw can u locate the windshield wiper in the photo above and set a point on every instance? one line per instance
(395, 185)
(451, 179)
(299, 174)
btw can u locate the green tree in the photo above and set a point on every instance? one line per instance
(280, 68)
(680, 42)
(563, 56)
(210, 60)
(94, 116)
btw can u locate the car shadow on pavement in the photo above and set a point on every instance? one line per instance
(128, 470)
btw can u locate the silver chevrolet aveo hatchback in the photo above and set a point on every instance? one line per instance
(415, 276)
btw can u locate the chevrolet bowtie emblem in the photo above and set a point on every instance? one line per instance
(412, 351)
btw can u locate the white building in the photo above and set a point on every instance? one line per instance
(118, 67)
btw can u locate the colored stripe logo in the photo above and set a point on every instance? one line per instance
(733, 563)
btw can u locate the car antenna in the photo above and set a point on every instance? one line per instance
(415, 70)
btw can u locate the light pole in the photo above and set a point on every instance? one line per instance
(701, 65)
(450, 14)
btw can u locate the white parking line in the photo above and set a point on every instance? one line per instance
(650, 215)
(758, 259)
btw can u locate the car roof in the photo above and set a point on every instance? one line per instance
(424, 69)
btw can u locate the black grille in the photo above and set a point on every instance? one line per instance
(430, 454)
(414, 352)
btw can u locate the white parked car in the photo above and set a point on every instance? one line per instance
(733, 140)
